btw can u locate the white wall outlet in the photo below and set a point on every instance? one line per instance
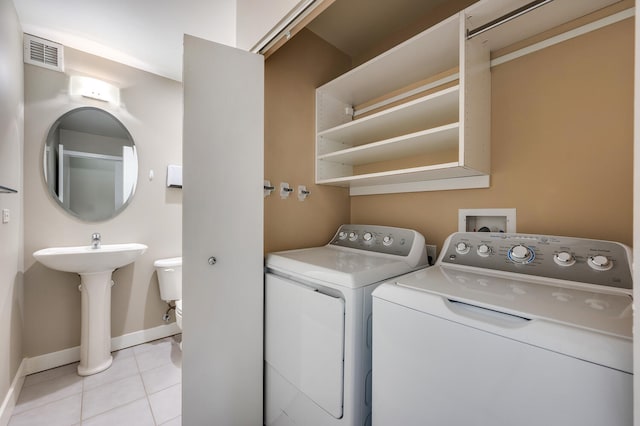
(487, 220)
(6, 215)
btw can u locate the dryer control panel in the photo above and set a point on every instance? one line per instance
(381, 239)
(574, 259)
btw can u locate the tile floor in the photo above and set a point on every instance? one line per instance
(142, 387)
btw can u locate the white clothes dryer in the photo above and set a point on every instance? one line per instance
(318, 323)
(507, 329)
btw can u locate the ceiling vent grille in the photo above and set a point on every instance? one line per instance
(43, 53)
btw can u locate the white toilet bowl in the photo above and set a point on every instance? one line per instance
(170, 283)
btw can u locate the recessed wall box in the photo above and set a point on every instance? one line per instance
(174, 176)
(487, 220)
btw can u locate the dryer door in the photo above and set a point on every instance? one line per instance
(304, 340)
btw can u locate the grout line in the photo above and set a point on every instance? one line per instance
(153, 416)
(83, 391)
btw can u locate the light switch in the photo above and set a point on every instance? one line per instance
(5, 216)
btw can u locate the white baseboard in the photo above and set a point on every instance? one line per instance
(12, 394)
(67, 356)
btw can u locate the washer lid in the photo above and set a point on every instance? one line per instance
(603, 312)
(586, 325)
(339, 265)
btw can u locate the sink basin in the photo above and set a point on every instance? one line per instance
(95, 266)
(86, 260)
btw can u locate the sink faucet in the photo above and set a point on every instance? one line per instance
(95, 240)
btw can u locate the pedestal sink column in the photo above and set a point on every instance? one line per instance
(95, 337)
(94, 265)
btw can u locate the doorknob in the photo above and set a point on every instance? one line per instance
(212, 260)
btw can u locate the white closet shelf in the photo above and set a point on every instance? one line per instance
(418, 58)
(413, 174)
(455, 118)
(429, 111)
(427, 141)
(443, 83)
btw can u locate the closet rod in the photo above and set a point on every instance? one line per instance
(506, 18)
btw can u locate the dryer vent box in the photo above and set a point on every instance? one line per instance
(487, 220)
(43, 53)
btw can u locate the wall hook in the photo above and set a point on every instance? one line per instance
(268, 188)
(285, 190)
(302, 192)
(5, 190)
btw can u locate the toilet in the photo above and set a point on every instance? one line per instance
(170, 283)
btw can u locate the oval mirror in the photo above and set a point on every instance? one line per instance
(90, 164)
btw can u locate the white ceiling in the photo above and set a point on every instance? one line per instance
(145, 34)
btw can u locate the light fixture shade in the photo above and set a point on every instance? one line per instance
(95, 89)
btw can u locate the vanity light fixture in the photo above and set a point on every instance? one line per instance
(95, 89)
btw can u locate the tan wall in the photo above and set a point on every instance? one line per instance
(561, 147)
(11, 152)
(291, 77)
(152, 111)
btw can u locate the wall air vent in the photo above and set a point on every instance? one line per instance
(43, 53)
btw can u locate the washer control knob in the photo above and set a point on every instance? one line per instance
(600, 263)
(462, 248)
(564, 258)
(342, 235)
(484, 250)
(387, 240)
(521, 254)
(353, 236)
(368, 236)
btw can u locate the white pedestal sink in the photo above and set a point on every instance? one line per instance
(94, 265)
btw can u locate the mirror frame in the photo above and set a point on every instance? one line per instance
(55, 196)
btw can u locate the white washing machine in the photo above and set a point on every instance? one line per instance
(318, 323)
(507, 330)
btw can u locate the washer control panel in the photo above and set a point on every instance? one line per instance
(381, 239)
(574, 259)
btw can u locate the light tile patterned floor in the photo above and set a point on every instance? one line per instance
(142, 387)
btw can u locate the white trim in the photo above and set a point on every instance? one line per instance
(70, 355)
(636, 224)
(611, 19)
(467, 182)
(282, 29)
(9, 403)
(83, 154)
(144, 336)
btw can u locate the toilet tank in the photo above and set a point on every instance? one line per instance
(169, 278)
